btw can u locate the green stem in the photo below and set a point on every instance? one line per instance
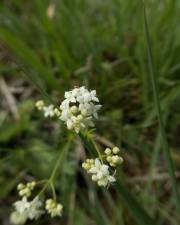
(159, 112)
(97, 150)
(54, 172)
(53, 191)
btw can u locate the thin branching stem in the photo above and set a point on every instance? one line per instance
(50, 181)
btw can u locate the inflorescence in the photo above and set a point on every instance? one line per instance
(32, 209)
(78, 110)
(101, 171)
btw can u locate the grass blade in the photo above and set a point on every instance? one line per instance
(29, 57)
(164, 141)
(137, 211)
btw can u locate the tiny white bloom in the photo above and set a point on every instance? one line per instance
(22, 205)
(31, 210)
(48, 111)
(35, 210)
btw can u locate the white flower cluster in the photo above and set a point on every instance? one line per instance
(26, 209)
(79, 108)
(53, 208)
(99, 170)
(49, 111)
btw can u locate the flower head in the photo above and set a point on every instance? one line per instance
(53, 208)
(100, 172)
(79, 108)
(28, 209)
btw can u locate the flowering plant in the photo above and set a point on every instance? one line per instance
(77, 111)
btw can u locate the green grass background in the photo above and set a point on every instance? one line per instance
(102, 45)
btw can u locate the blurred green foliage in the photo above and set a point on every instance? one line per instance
(100, 44)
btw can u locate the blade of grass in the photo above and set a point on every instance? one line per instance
(28, 56)
(154, 82)
(137, 211)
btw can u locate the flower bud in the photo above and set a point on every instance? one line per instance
(57, 112)
(116, 150)
(20, 186)
(107, 151)
(79, 118)
(109, 158)
(94, 177)
(74, 109)
(115, 159)
(91, 161)
(39, 104)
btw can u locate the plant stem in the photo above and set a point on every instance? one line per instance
(53, 174)
(97, 149)
(154, 82)
(53, 191)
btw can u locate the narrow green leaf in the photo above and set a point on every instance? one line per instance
(137, 211)
(28, 57)
(154, 82)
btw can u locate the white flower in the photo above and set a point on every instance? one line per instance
(35, 211)
(22, 205)
(30, 210)
(79, 108)
(100, 172)
(48, 111)
(53, 208)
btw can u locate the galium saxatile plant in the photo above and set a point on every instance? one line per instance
(78, 111)
(32, 207)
